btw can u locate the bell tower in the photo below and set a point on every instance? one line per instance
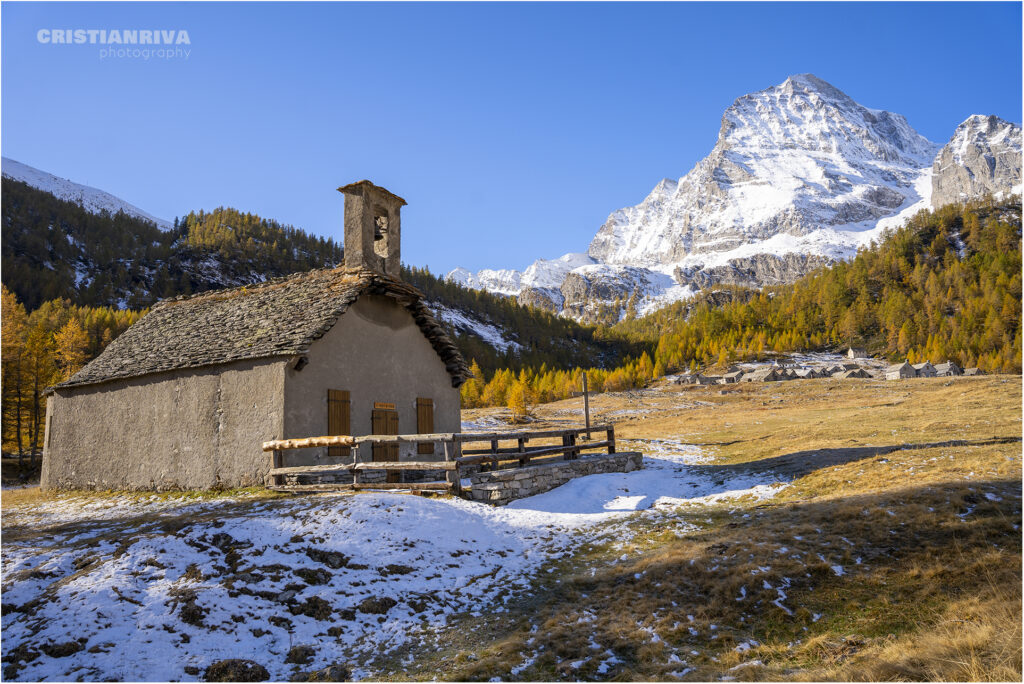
(373, 228)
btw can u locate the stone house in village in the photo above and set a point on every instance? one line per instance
(925, 370)
(856, 353)
(769, 374)
(947, 369)
(186, 396)
(900, 371)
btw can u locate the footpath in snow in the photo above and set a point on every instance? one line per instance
(159, 589)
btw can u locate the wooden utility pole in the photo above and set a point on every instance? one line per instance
(586, 404)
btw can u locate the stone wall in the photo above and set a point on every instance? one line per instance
(502, 486)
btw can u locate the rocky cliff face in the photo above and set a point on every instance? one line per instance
(800, 176)
(753, 271)
(982, 157)
(799, 164)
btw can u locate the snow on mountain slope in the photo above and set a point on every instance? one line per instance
(91, 199)
(504, 281)
(467, 324)
(800, 160)
(541, 274)
(800, 175)
(551, 272)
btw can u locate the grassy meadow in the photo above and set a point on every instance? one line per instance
(895, 553)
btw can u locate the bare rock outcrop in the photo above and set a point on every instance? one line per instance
(983, 157)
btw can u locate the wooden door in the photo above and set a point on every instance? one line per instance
(384, 421)
(339, 419)
(424, 424)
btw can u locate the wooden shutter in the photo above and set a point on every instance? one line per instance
(339, 419)
(424, 423)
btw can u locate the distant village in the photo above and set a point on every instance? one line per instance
(857, 365)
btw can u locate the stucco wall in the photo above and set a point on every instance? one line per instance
(191, 429)
(377, 353)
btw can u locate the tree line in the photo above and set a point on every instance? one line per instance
(519, 390)
(40, 349)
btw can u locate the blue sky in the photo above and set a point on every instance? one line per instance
(513, 130)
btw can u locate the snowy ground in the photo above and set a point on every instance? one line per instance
(141, 590)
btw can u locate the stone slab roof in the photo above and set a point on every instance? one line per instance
(276, 318)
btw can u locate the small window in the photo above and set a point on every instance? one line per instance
(339, 419)
(424, 423)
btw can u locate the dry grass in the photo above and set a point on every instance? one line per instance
(910, 490)
(25, 497)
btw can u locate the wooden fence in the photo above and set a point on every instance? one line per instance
(451, 444)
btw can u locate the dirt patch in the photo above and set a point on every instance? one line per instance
(331, 559)
(61, 650)
(314, 607)
(300, 655)
(313, 575)
(331, 673)
(377, 605)
(236, 670)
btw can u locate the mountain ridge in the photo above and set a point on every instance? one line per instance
(92, 199)
(800, 175)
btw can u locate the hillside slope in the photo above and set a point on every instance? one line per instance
(91, 199)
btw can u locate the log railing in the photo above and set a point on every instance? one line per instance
(451, 446)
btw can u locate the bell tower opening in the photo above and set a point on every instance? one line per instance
(372, 228)
(380, 233)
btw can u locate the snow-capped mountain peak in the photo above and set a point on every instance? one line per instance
(801, 174)
(805, 112)
(92, 199)
(793, 159)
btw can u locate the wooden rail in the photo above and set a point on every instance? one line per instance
(454, 456)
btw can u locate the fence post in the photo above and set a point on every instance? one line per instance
(586, 404)
(611, 439)
(276, 480)
(522, 448)
(454, 477)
